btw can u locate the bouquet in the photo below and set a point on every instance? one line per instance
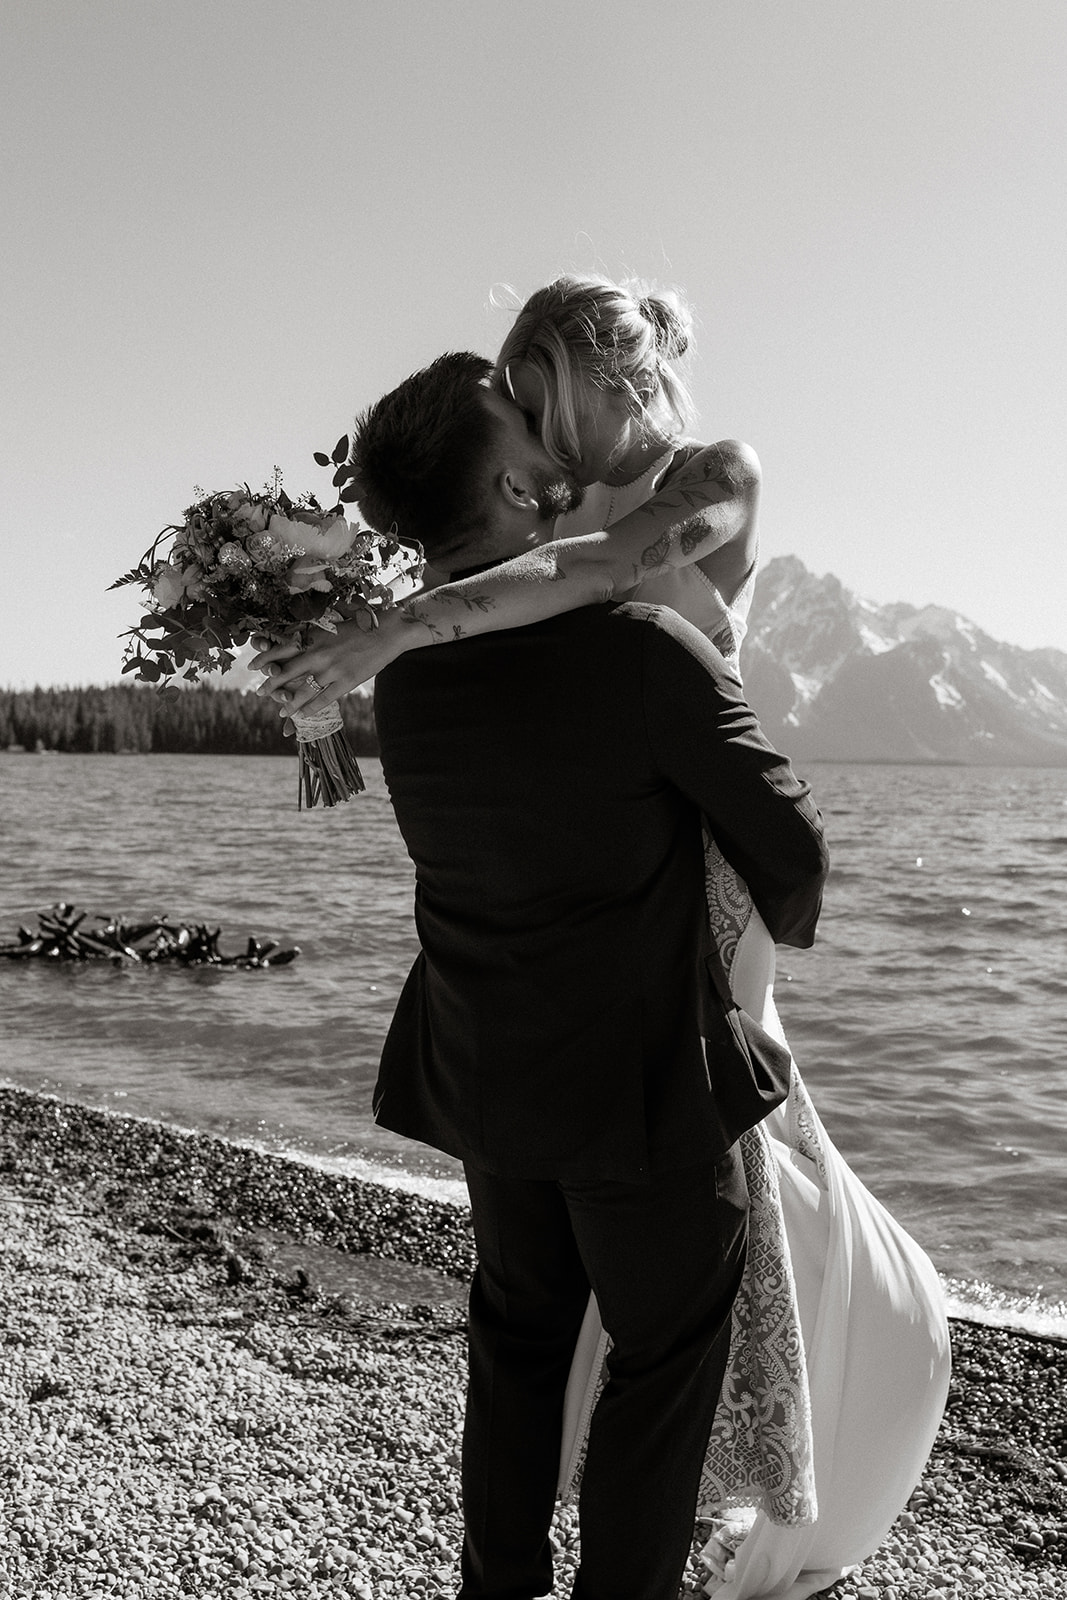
(241, 563)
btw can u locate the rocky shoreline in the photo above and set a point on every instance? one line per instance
(227, 1373)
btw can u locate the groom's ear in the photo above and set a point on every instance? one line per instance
(517, 490)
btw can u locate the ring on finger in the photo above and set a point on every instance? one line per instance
(313, 683)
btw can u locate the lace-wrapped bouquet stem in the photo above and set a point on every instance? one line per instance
(329, 771)
(241, 563)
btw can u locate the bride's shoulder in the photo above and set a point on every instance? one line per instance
(728, 461)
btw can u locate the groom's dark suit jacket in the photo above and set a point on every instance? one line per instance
(549, 783)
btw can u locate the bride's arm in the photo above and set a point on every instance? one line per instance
(707, 502)
(705, 511)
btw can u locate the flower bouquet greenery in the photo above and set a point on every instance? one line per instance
(241, 563)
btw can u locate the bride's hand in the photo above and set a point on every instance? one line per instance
(334, 665)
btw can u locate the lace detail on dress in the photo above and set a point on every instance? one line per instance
(729, 902)
(759, 1456)
(804, 1126)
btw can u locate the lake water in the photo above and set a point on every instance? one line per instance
(930, 1020)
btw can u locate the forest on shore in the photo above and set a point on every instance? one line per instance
(134, 719)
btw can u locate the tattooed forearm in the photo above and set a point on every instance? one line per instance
(507, 596)
(690, 534)
(421, 611)
(544, 566)
(471, 602)
(409, 613)
(699, 516)
(654, 556)
(687, 536)
(690, 496)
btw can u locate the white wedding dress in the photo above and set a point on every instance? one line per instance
(839, 1360)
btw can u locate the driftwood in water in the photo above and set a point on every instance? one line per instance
(61, 937)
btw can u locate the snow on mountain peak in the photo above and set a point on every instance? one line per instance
(838, 677)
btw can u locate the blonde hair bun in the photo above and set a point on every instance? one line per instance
(671, 321)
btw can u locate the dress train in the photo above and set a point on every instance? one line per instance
(840, 1349)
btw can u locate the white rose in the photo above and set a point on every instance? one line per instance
(167, 587)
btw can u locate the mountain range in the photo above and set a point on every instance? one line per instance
(835, 677)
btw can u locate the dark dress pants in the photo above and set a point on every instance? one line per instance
(664, 1259)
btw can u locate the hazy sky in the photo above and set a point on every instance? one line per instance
(229, 224)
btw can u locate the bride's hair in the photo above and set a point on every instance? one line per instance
(587, 335)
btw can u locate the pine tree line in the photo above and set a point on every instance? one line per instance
(121, 718)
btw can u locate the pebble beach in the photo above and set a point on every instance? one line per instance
(227, 1373)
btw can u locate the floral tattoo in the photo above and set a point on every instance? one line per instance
(417, 611)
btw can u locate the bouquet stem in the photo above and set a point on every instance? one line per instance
(329, 772)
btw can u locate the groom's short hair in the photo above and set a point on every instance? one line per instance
(422, 456)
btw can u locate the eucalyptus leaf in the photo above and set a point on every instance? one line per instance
(320, 456)
(340, 449)
(349, 495)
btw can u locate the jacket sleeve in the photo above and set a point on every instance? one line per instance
(705, 740)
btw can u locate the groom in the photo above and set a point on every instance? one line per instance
(550, 782)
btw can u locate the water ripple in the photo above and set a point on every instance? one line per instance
(930, 1019)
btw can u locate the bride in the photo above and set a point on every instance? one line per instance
(839, 1357)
